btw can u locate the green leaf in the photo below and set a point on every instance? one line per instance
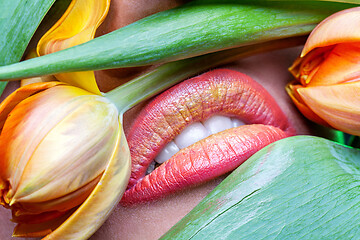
(18, 21)
(193, 29)
(301, 187)
(342, 1)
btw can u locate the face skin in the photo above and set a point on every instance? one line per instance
(151, 220)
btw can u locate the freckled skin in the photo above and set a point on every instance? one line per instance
(220, 91)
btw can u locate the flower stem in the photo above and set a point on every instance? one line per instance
(141, 88)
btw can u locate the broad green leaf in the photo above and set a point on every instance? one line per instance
(18, 21)
(301, 187)
(193, 29)
(342, 1)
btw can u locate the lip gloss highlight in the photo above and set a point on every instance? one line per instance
(220, 91)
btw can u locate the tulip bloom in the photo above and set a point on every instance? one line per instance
(64, 157)
(61, 146)
(327, 85)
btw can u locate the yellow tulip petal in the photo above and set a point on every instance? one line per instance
(342, 64)
(340, 27)
(292, 90)
(25, 131)
(338, 105)
(97, 207)
(54, 179)
(76, 26)
(6, 107)
(62, 204)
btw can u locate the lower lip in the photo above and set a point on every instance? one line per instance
(220, 91)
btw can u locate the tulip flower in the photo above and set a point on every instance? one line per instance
(60, 146)
(327, 85)
(78, 156)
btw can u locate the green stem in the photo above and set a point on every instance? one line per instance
(340, 1)
(139, 89)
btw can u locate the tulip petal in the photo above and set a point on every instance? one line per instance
(340, 27)
(97, 207)
(19, 95)
(338, 105)
(6, 107)
(70, 113)
(76, 26)
(39, 229)
(304, 68)
(62, 204)
(292, 90)
(25, 131)
(35, 218)
(342, 64)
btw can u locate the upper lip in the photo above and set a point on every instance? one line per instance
(220, 91)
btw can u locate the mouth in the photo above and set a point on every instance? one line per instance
(231, 114)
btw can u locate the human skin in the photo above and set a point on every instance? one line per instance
(151, 220)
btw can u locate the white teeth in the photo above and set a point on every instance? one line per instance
(168, 151)
(218, 123)
(150, 168)
(191, 134)
(194, 133)
(236, 122)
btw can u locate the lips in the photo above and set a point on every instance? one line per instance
(221, 92)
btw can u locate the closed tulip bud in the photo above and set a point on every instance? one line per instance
(57, 142)
(327, 85)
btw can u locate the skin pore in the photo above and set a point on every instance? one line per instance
(153, 219)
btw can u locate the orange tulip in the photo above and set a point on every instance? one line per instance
(64, 157)
(65, 160)
(327, 85)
